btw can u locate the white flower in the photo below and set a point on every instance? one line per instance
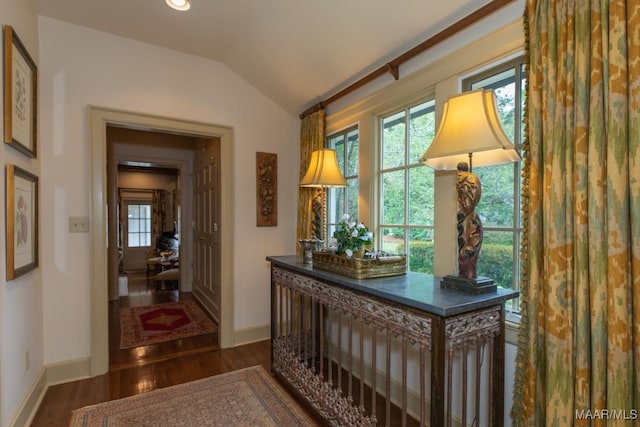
(348, 252)
(360, 226)
(345, 217)
(354, 233)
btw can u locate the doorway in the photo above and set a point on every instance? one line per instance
(102, 246)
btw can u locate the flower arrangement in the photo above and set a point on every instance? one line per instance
(351, 236)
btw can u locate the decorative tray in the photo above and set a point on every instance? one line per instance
(360, 268)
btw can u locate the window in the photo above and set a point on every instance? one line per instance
(406, 185)
(138, 224)
(344, 200)
(499, 207)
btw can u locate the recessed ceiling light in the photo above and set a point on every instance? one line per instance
(179, 4)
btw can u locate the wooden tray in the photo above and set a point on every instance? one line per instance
(360, 268)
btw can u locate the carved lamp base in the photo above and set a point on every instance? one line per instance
(479, 285)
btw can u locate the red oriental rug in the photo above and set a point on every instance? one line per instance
(247, 397)
(163, 322)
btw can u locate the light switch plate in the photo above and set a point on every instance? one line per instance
(78, 224)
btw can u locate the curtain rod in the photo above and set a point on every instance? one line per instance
(393, 66)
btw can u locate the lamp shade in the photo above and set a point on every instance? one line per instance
(323, 170)
(470, 124)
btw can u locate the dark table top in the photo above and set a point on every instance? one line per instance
(415, 290)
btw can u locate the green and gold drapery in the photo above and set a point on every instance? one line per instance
(310, 200)
(159, 212)
(579, 343)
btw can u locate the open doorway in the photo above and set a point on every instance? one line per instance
(104, 254)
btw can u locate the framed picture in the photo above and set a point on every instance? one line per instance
(22, 221)
(20, 95)
(266, 189)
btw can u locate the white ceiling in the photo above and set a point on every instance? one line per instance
(297, 52)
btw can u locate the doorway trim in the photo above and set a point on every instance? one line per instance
(99, 118)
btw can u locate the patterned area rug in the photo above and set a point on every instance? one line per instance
(163, 322)
(247, 397)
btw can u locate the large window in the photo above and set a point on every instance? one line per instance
(499, 207)
(138, 225)
(344, 200)
(406, 185)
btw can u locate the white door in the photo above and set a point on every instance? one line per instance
(206, 225)
(136, 229)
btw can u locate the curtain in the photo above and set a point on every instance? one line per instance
(579, 341)
(159, 213)
(310, 200)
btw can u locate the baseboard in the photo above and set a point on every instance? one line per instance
(70, 370)
(251, 335)
(31, 402)
(53, 374)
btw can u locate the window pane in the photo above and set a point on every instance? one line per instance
(421, 202)
(393, 141)
(496, 206)
(393, 197)
(353, 153)
(134, 211)
(421, 129)
(352, 198)
(134, 225)
(344, 200)
(496, 257)
(145, 211)
(421, 250)
(393, 240)
(134, 240)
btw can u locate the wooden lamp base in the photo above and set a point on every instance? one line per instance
(479, 285)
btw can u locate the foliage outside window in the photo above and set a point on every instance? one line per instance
(139, 225)
(406, 186)
(499, 207)
(342, 201)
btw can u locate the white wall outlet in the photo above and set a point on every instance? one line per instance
(78, 224)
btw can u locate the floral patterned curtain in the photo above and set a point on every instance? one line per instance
(310, 200)
(158, 210)
(579, 343)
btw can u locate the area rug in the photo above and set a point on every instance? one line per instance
(247, 397)
(163, 322)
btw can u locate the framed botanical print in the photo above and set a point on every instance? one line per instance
(22, 221)
(20, 95)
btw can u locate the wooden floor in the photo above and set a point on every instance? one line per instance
(142, 369)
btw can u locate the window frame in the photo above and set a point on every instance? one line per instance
(334, 215)
(407, 165)
(519, 80)
(149, 232)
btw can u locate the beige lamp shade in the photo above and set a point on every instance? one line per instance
(470, 124)
(323, 170)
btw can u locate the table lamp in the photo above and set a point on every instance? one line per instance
(323, 172)
(469, 133)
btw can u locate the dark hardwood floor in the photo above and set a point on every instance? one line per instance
(142, 369)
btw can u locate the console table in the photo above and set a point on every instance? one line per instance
(386, 351)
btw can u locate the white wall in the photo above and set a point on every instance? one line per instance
(21, 327)
(81, 67)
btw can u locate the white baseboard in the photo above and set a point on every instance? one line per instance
(31, 402)
(56, 373)
(251, 335)
(70, 370)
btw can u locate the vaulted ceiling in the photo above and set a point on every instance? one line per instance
(297, 52)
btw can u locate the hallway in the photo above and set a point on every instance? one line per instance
(142, 369)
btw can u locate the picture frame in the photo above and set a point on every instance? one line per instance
(20, 95)
(22, 221)
(266, 189)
